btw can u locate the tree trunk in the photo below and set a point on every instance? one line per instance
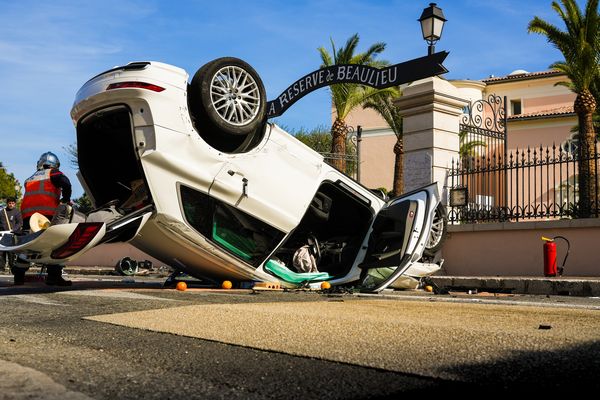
(585, 106)
(399, 167)
(338, 144)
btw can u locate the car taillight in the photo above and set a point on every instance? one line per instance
(141, 85)
(83, 234)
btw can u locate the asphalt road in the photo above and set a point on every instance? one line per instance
(454, 344)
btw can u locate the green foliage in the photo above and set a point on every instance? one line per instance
(596, 117)
(468, 148)
(347, 96)
(383, 103)
(84, 204)
(318, 139)
(71, 150)
(579, 42)
(9, 185)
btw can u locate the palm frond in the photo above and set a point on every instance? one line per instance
(579, 42)
(325, 57)
(383, 104)
(347, 96)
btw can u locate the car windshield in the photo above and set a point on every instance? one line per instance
(238, 233)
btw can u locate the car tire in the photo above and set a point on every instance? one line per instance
(439, 231)
(227, 102)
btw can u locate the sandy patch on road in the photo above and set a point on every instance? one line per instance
(393, 335)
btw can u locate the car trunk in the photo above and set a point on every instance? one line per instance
(112, 173)
(108, 161)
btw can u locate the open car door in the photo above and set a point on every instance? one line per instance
(398, 237)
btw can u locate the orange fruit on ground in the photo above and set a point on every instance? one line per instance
(325, 285)
(227, 285)
(429, 288)
(181, 286)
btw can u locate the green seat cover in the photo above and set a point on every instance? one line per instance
(288, 275)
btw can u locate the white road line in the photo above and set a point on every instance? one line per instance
(31, 298)
(116, 294)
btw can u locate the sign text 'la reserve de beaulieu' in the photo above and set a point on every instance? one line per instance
(393, 75)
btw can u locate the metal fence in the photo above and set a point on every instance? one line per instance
(527, 184)
(351, 164)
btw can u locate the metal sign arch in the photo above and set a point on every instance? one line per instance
(380, 78)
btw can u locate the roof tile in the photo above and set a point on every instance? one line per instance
(528, 75)
(553, 112)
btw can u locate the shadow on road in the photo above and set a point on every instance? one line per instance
(538, 372)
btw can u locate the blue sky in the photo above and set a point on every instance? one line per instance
(48, 49)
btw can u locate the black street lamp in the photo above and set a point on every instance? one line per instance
(432, 22)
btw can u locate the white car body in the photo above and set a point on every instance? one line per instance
(234, 215)
(53, 245)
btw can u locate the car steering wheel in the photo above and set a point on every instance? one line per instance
(314, 246)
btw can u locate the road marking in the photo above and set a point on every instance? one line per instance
(31, 298)
(115, 294)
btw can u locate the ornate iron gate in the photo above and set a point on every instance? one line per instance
(480, 171)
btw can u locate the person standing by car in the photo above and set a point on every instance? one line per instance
(45, 191)
(10, 221)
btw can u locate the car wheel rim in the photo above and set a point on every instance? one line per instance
(235, 95)
(437, 230)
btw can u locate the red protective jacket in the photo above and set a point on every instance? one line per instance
(41, 195)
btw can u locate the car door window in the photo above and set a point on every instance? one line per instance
(235, 231)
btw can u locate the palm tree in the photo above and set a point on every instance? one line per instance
(348, 96)
(468, 149)
(383, 103)
(580, 47)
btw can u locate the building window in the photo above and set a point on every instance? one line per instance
(515, 107)
(571, 145)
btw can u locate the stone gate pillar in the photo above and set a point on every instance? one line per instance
(431, 110)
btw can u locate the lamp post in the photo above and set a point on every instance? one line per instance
(432, 22)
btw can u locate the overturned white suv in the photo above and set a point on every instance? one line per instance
(195, 176)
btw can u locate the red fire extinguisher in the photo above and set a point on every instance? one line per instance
(550, 256)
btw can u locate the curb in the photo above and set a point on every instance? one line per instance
(584, 287)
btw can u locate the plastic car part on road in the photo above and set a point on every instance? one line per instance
(126, 266)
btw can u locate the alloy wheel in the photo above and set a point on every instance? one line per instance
(235, 95)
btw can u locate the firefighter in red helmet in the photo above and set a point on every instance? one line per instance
(45, 190)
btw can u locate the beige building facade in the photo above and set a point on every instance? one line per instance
(539, 113)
